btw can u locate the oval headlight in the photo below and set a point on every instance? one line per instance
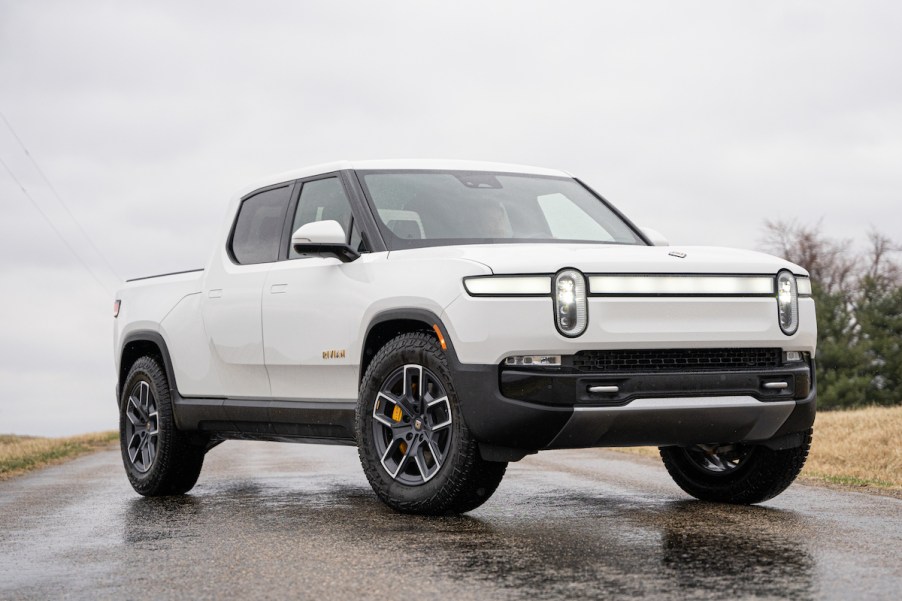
(787, 303)
(570, 312)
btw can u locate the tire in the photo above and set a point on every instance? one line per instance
(738, 474)
(159, 460)
(416, 450)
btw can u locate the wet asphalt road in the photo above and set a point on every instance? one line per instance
(272, 520)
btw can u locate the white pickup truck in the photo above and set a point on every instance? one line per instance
(450, 317)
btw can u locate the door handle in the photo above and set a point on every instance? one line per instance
(215, 293)
(278, 289)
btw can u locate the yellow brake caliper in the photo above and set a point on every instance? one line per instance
(396, 415)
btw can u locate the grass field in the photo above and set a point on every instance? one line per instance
(858, 448)
(19, 454)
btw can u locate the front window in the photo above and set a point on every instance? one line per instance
(437, 208)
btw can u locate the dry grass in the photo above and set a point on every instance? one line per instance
(19, 454)
(859, 447)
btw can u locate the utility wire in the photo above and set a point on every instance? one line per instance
(57, 231)
(58, 197)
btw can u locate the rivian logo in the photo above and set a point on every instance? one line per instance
(334, 354)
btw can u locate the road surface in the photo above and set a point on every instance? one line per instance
(270, 520)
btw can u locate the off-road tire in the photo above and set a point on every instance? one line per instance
(465, 480)
(763, 474)
(177, 463)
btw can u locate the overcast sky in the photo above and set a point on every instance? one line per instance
(700, 119)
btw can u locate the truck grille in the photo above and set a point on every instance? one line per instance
(673, 360)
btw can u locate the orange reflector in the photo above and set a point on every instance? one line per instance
(441, 339)
(396, 413)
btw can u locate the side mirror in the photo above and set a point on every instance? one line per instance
(655, 237)
(323, 238)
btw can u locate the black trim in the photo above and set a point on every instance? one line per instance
(636, 229)
(157, 339)
(546, 387)
(271, 419)
(369, 230)
(163, 275)
(343, 252)
(422, 315)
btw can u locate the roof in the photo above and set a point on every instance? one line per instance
(424, 164)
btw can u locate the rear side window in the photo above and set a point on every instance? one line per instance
(258, 229)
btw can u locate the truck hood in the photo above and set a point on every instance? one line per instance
(606, 258)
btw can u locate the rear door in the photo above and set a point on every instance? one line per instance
(233, 289)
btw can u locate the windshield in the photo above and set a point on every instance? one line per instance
(437, 208)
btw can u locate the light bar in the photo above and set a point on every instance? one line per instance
(681, 285)
(804, 286)
(504, 285)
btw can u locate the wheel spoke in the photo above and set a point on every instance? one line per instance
(145, 453)
(413, 391)
(436, 405)
(379, 410)
(426, 471)
(143, 396)
(134, 445)
(139, 413)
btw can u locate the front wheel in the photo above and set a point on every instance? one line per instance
(159, 460)
(415, 448)
(735, 473)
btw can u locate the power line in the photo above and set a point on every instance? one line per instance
(57, 195)
(54, 228)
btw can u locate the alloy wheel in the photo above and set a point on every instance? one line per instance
(142, 428)
(412, 424)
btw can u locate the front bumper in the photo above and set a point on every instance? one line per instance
(530, 411)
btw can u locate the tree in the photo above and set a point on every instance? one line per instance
(859, 313)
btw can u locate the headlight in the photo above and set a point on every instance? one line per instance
(787, 303)
(570, 314)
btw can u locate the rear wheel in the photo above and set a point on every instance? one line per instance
(735, 473)
(415, 448)
(159, 460)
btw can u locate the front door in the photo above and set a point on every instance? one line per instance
(313, 306)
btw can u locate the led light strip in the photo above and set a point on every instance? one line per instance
(680, 285)
(804, 286)
(635, 285)
(504, 285)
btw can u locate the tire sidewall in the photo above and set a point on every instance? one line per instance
(396, 494)
(147, 370)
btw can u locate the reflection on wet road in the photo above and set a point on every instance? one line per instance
(271, 520)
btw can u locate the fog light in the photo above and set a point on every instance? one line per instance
(792, 356)
(534, 360)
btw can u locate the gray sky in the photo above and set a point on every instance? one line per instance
(700, 119)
